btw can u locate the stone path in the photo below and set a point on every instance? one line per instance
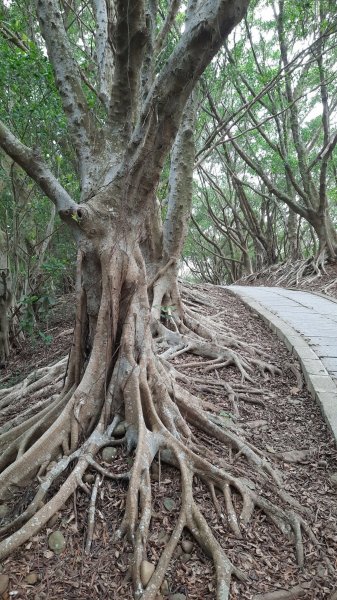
(307, 323)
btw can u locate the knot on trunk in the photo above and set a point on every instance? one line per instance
(83, 219)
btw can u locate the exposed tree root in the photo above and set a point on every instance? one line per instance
(296, 592)
(91, 513)
(36, 381)
(330, 285)
(234, 392)
(291, 273)
(53, 443)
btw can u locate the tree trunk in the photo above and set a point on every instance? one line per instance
(326, 234)
(5, 300)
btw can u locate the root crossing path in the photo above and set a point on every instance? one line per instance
(307, 323)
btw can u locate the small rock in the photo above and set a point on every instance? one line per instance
(256, 424)
(4, 581)
(333, 479)
(169, 504)
(177, 597)
(146, 571)
(120, 429)
(4, 510)
(185, 557)
(109, 453)
(53, 520)
(178, 551)
(163, 536)
(89, 478)
(56, 542)
(164, 588)
(187, 546)
(32, 578)
(295, 456)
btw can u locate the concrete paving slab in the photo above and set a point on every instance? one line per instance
(320, 341)
(307, 324)
(325, 351)
(322, 335)
(329, 363)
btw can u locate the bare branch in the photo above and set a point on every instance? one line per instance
(167, 26)
(130, 40)
(103, 11)
(148, 67)
(207, 30)
(68, 81)
(13, 37)
(181, 184)
(36, 168)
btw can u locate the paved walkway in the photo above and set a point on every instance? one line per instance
(307, 323)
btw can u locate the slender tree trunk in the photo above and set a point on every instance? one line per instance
(5, 299)
(326, 234)
(292, 235)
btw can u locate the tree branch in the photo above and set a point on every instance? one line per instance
(13, 38)
(68, 81)
(130, 39)
(103, 11)
(163, 33)
(149, 64)
(35, 167)
(303, 212)
(181, 184)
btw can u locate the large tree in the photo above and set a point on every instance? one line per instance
(148, 58)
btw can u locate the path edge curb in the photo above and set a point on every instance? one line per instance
(321, 386)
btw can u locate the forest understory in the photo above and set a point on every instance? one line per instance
(274, 414)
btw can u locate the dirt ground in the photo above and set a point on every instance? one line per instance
(278, 416)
